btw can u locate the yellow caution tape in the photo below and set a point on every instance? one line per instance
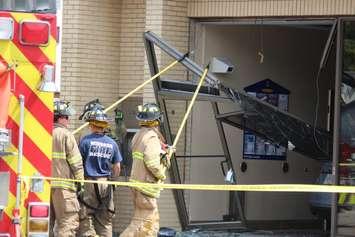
(347, 164)
(186, 116)
(131, 93)
(210, 187)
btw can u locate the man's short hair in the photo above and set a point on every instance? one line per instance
(57, 117)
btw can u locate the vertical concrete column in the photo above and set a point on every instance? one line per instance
(131, 73)
(168, 19)
(90, 52)
(70, 43)
(132, 24)
(154, 23)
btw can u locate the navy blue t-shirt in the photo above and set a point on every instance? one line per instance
(99, 152)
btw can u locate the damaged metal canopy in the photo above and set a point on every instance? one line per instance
(261, 118)
(282, 128)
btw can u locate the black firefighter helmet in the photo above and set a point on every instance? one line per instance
(62, 108)
(97, 117)
(149, 112)
(92, 105)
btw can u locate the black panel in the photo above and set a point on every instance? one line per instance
(187, 86)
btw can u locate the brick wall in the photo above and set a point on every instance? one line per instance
(159, 17)
(70, 44)
(104, 57)
(131, 46)
(168, 19)
(131, 74)
(154, 23)
(91, 44)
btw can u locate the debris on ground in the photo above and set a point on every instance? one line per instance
(166, 232)
(199, 233)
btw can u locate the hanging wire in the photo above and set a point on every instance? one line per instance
(261, 49)
(316, 113)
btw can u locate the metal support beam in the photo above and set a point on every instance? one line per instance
(184, 95)
(234, 196)
(229, 114)
(171, 51)
(336, 127)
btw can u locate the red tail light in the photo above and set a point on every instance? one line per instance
(39, 211)
(34, 33)
(38, 219)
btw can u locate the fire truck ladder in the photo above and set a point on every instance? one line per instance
(183, 90)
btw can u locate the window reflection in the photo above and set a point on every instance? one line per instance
(28, 5)
(21, 5)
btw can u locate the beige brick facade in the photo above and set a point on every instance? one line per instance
(132, 52)
(90, 60)
(168, 20)
(130, 76)
(154, 23)
(104, 57)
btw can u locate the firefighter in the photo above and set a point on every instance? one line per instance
(146, 153)
(101, 157)
(90, 106)
(66, 163)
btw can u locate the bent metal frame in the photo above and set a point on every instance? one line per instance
(183, 90)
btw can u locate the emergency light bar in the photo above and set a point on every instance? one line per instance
(34, 32)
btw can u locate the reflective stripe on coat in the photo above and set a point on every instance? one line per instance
(146, 167)
(66, 159)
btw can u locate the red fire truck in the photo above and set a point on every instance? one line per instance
(29, 35)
